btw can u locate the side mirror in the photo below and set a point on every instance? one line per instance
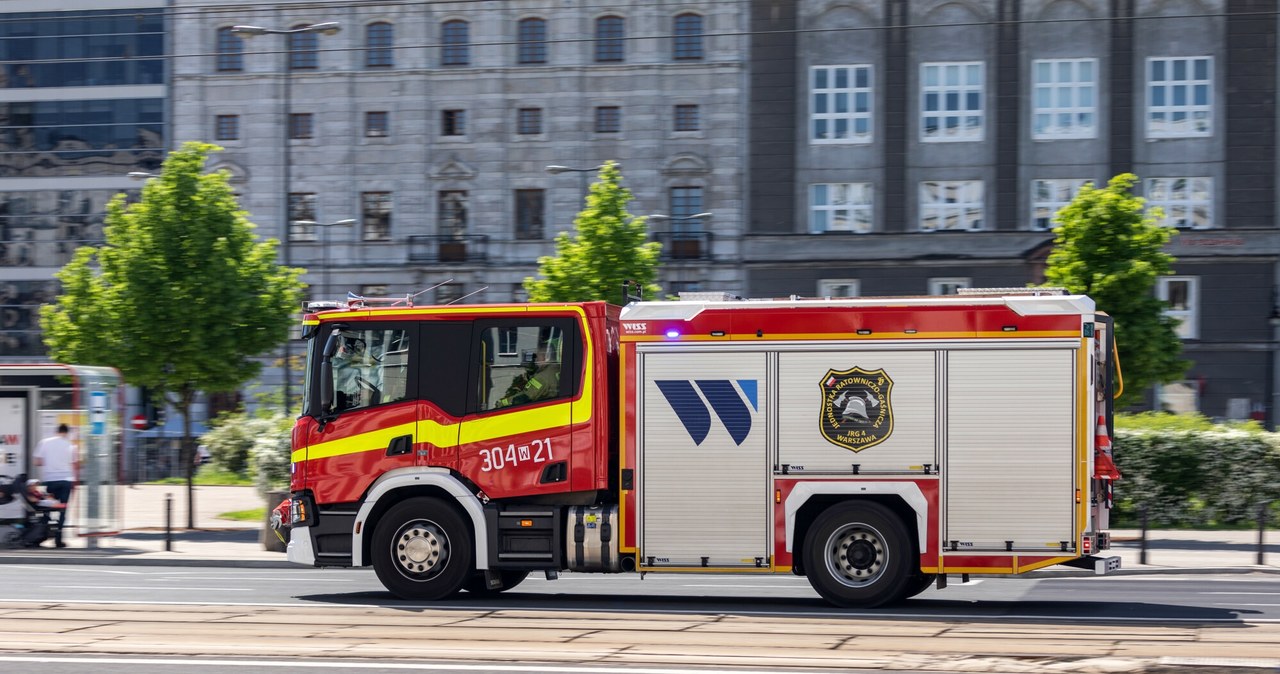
(326, 371)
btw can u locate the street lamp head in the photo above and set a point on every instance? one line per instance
(556, 169)
(142, 175)
(343, 223)
(249, 31)
(326, 28)
(695, 216)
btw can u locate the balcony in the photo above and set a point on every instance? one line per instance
(449, 249)
(684, 245)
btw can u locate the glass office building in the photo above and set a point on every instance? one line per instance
(82, 104)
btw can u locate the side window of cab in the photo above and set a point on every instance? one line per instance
(520, 362)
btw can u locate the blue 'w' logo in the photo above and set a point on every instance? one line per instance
(724, 398)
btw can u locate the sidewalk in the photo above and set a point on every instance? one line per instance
(221, 542)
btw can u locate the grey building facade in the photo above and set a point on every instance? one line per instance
(915, 146)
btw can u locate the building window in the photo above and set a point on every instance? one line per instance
(226, 127)
(453, 122)
(609, 39)
(374, 290)
(840, 207)
(529, 121)
(838, 287)
(1064, 99)
(608, 119)
(951, 102)
(948, 286)
(375, 212)
(954, 205)
(301, 125)
(841, 104)
(1186, 202)
(376, 124)
(379, 38)
(450, 293)
(688, 40)
(456, 38)
(531, 37)
(1179, 97)
(530, 213)
(304, 50)
(453, 213)
(688, 118)
(230, 51)
(685, 203)
(302, 208)
(1050, 196)
(1181, 295)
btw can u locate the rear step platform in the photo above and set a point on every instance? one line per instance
(1099, 565)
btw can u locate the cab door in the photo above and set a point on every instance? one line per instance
(370, 426)
(517, 436)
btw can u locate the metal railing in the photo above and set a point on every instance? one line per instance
(684, 245)
(446, 249)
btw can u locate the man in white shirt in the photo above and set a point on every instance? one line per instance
(55, 456)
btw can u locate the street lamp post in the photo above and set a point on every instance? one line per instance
(324, 246)
(325, 28)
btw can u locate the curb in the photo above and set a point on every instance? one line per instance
(134, 559)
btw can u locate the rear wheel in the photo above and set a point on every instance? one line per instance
(422, 550)
(858, 555)
(475, 583)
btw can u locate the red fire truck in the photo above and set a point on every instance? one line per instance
(872, 445)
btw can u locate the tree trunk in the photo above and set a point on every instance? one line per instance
(186, 454)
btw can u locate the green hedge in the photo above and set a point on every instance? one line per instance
(1188, 471)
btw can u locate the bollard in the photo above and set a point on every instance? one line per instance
(168, 522)
(1142, 550)
(1262, 531)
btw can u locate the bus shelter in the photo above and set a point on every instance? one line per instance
(34, 400)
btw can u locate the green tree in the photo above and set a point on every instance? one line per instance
(609, 249)
(1108, 248)
(182, 297)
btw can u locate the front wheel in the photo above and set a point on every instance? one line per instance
(422, 550)
(858, 555)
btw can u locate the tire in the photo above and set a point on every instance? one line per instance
(919, 583)
(858, 555)
(422, 550)
(475, 582)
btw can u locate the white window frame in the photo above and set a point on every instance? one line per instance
(1064, 99)
(947, 285)
(839, 287)
(1178, 204)
(855, 206)
(1188, 317)
(851, 95)
(965, 196)
(1196, 118)
(936, 80)
(1058, 188)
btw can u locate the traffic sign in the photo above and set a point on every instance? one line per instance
(139, 422)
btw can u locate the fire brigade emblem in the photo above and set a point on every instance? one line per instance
(856, 412)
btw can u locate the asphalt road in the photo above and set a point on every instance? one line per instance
(135, 619)
(1167, 598)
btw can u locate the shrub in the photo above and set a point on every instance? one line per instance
(270, 460)
(233, 436)
(1188, 471)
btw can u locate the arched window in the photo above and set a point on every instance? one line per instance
(531, 34)
(379, 38)
(303, 50)
(230, 51)
(455, 35)
(688, 41)
(609, 39)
